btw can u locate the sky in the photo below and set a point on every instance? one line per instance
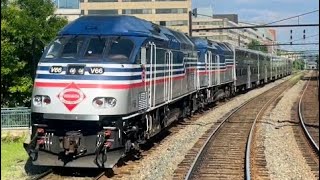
(265, 11)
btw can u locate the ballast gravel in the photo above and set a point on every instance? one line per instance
(284, 159)
(164, 158)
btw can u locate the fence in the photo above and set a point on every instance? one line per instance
(13, 118)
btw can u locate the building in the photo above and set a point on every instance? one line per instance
(312, 65)
(170, 13)
(202, 27)
(293, 55)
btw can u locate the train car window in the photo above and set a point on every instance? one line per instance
(72, 48)
(244, 71)
(148, 53)
(241, 55)
(175, 57)
(254, 56)
(120, 50)
(160, 56)
(95, 48)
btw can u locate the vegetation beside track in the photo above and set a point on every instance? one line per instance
(13, 158)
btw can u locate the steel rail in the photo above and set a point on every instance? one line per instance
(249, 141)
(309, 137)
(99, 176)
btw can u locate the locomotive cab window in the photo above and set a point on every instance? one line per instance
(65, 47)
(95, 48)
(120, 50)
(55, 47)
(72, 48)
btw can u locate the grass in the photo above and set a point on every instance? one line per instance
(13, 158)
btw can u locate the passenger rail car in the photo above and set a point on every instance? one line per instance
(107, 84)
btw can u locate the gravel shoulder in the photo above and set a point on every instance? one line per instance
(164, 158)
(283, 156)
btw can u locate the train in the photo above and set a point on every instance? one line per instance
(108, 84)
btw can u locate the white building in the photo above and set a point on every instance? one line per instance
(202, 27)
(312, 65)
(171, 13)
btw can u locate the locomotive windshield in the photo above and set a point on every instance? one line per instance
(110, 49)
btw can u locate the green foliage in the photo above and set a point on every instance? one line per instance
(26, 27)
(298, 64)
(256, 45)
(13, 158)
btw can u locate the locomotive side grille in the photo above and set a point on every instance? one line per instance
(143, 100)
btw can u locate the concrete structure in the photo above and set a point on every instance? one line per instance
(170, 13)
(293, 55)
(312, 65)
(237, 37)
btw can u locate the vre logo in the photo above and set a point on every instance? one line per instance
(71, 96)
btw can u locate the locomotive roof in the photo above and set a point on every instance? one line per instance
(203, 43)
(121, 25)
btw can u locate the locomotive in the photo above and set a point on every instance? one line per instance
(108, 84)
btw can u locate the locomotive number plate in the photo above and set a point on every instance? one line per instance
(75, 70)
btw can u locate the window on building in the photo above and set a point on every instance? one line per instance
(170, 0)
(103, 12)
(102, 0)
(136, 0)
(172, 23)
(171, 11)
(67, 4)
(162, 23)
(137, 11)
(177, 23)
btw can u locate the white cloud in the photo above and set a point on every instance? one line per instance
(263, 16)
(271, 1)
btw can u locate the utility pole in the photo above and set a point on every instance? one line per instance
(190, 23)
(34, 65)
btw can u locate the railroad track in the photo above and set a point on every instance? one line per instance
(306, 114)
(221, 153)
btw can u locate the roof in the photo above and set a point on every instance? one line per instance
(121, 25)
(108, 25)
(202, 43)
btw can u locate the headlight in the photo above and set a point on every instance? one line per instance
(46, 100)
(111, 101)
(98, 102)
(39, 100)
(104, 102)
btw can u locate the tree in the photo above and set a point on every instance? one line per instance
(26, 27)
(256, 45)
(298, 64)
